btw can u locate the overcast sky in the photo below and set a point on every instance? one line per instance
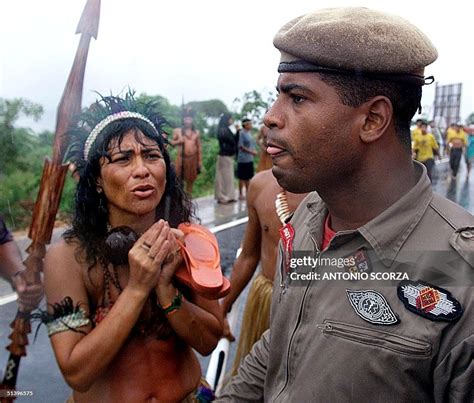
(193, 49)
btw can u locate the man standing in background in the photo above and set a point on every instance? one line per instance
(269, 207)
(189, 157)
(246, 153)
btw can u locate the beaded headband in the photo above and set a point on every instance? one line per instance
(108, 120)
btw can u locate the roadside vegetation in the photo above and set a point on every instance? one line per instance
(22, 151)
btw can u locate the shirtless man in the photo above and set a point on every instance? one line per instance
(260, 245)
(188, 161)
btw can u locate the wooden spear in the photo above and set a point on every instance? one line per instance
(49, 194)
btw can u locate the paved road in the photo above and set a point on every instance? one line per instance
(39, 371)
(459, 190)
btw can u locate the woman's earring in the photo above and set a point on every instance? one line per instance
(99, 189)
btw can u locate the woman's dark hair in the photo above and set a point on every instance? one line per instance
(224, 121)
(405, 98)
(89, 225)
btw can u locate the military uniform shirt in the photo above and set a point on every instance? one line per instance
(364, 341)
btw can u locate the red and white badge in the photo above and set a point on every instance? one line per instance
(429, 301)
(361, 261)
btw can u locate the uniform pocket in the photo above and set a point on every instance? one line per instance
(377, 338)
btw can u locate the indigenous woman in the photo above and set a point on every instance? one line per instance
(121, 328)
(224, 187)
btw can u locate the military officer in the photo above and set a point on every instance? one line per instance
(397, 324)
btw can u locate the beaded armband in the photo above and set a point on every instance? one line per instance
(72, 321)
(174, 305)
(65, 316)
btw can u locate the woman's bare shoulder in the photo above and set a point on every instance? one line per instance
(63, 255)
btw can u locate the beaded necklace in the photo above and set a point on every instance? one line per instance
(282, 207)
(157, 323)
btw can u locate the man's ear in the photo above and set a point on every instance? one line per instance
(378, 113)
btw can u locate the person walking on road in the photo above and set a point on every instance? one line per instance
(457, 141)
(425, 148)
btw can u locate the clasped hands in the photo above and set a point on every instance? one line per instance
(154, 259)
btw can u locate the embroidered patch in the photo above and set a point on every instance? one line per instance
(429, 301)
(361, 262)
(372, 306)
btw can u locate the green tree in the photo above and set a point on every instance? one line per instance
(170, 112)
(253, 105)
(204, 184)
(212, 108)
(14, 142)
(22, 154)
(12, 109)
(46, 138)
(207, 114)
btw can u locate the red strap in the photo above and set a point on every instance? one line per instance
(328, 233)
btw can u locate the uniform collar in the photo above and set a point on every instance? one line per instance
(387, 232)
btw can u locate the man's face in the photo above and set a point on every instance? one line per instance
(313, 139)
(188, 121)
(248, 126)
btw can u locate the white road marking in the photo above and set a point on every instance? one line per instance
(8, 298)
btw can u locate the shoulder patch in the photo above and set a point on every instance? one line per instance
(431, 302)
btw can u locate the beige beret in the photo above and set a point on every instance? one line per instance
(354, 40)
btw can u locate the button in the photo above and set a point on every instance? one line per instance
(466, 234)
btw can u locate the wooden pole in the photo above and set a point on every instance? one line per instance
(51, 187)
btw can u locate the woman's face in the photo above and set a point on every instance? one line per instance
(134, 179)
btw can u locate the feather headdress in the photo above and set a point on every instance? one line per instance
(100, 117)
